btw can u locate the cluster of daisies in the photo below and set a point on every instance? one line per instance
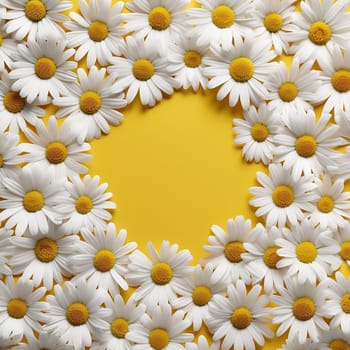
(65, 270)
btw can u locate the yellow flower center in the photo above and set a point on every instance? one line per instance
(325, 204)
(1, 39)
(339, 344)
(1, 161)
(104, 260)
(271, 258)
(45, 68)
(223, 16)
(306, 252)
(56, 152)
(304, 308)
(341, 80)
(201, 295)
(119, 327)
(77, 314)
(241, 69)
(98, 31)
(161, 273)
(83, 204)
(345, 303)
(46, 250)
(273, 22)
(345, 250)
(143, 69)
(192, 59)
(159, 18)
(288, 92)
(35, 10)
(241, 318)
(233, 251)
(158, 338)
(283, 196)
(90, 102)
(13, 102)
(33, 201)
(306, 146)
(17, 308)
(259, 132)
(320, 32)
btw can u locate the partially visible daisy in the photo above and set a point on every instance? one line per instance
(334, 339)
(294, 344)
(42, 70)
(44, 341)
(256, 132)
(9, 155)
(343, 237)
(202, 344)
(96, 32)
(7, 47)
(157, 278)
(5, 252)
(341, 168)
(5, 343)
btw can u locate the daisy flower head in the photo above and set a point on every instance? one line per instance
(202, 344)
(281, 199)
(76, 314)
(91, 105)
(142, 70)
(344, 241)
(55, 148)
(5, 252)
(9, 154)
(44, 341)
(96, 33)
(294, 344)
(42, 70)
(240, 70)
(196, 292)
(334, 339)
(20, 308)
(7, 47)
(255, 132)
(158, 278)
(241, 319)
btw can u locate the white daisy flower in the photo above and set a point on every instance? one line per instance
(342, 118)
(56, 149)
(9, 155)
(91, 105)
(240, 71)
(281, 199)
(300, 310)
(160, 329)
(307, 145)
(88, 204)
(7, 47)
(158, 22)
(5, 252)
(44, 341)
(142, 70)
(157, 277)
(38, 19)
(20, 308)
(42, 70)
(241, 319)
(344, 241)
(202, 344)
(96, 33)
(308, 252)
(31, 201)
(226, 249)
(44, 258)
(334, 339)
(294, 344)
(76, 315)
(195, 294)
(256, 133)
(15, 111)
(341, 168)
(318, 28)
(221, 22)
(102, 259)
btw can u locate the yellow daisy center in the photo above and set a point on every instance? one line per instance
(161, 273)
(233, 251)
(104, 260)
(46, 250)
(283, 196)
(345, 303)
(13, 102)
(35, 10)
(90, 102)
(56, 152)
(143, 69)
(341, 80)
(17, 308)
(223, 16)
(273, 22)
(320, 32)
(241, 69)
(345, 250)
(83, 204)
(1, 39)
(159, 18)
(339, 344)
(77, 314)
(33, 201)
(306, 146)
(201, 295)
(119, 327)
(304, 308)
(241, 318)
(271, 258)
(45, 68)
(325, 204)
(98, 31)
(192, 58)
(158, 338)
(1, 161)
(306, 252)
(259, 132)
(288, 91)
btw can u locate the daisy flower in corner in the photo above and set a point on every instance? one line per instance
(42, 70)
(9, 155)
(91, 105)
(44, 341)
(96, 33)
(7, 47)
(158, 278)
(334, 339)
(240, 70)
(5, 252)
